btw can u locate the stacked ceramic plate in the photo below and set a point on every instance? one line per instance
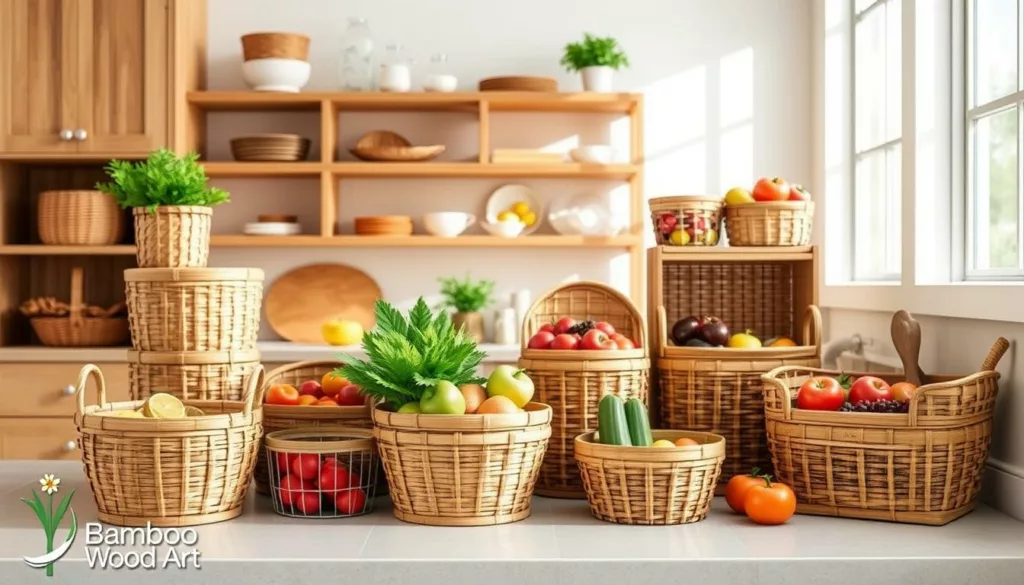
(384, 225)
(519, 83)
(270, 148)
(274, 225)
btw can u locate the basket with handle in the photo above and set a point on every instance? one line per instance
(196, 375)
(79, 218)
(572, 382)
(169, 472)
(78, 329)
(922, 467)
(776, 223)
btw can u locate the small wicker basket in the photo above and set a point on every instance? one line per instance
(779, 223)
(204, 375)
(79, 218)
(169, 472)
(651, 485)
(78, 330)
(687, 220)
(172, 236)
(462, 470)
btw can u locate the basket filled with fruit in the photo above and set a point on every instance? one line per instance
(198, 375)
(455, 452)
(774, 213)
(322, 472)
(633, 475)
(168, 462)
(686, 220)
(574, 364)
(307, 395)
(879, 448)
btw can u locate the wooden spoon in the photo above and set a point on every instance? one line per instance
(906, 336)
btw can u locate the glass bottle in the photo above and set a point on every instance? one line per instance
(395, 70)
(357, 51)
(439, 77)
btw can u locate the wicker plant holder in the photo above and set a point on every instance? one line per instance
(79, 218)
(923, 467)
(699, 215)
(782, 223)
(169, 472)
(278, 418)
(173, 236)
(572, 382)
(466, 470)
(645, 485)
(78, 330)
(191, 375)
(197, 309)
(719, 390)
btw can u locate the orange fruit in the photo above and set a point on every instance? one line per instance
(307, 400)
(782, 342)
(684, 442)
(475, 395)
(903, 391)
(325, 401)
(497, 405)
(282, 394)
(332, 383)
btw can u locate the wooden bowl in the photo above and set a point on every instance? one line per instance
(399, 153)
(519, 83)
(275, 45)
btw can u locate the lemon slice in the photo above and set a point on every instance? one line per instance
(164, 406)
(193, 411)
(125, 414)
(520, 208)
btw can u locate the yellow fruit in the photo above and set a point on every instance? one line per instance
(521, 208)
(679, 238)
(508, 215)
(781, 342)
(193, 411)
(342, 332)
(162, 405)
(529, 218)
(744, 340)
(124, 414)
(663, 443)
(738, 196)
(711, 238)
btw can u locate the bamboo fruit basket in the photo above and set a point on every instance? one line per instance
(572, 382)
(649, 485)
(462, 470)
(219, 375)
(778, 223)
(921, 467)
(197, 309)
(79, 218)
(172, 236)
(687, 220)
(278, 417)
(169, 472)
(79, 329)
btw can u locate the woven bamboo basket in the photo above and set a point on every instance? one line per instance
(572, 382)
(687, 220)
(169, 472)
(172, 236)
(196, 309)
(205, 375)
(77, 329)
(278, 418)
(922, 467)
(719, 390)
(465, 470)
(79, 218)
(275, 45)
(650, 485)
(780, 223)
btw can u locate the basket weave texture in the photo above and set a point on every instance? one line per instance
(169, 472)
(646, 485)
(191, 375)
(923, 467)
(173, 236)
(782, 223)
(200, 309)
(78, 330)
(572, 382)
(466, 470)
(702, 214)
(79, 218)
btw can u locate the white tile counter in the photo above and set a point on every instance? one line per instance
(559, 544)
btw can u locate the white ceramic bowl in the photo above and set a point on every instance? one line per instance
(597, 154)
(272, 228)
(504, 229)
(286, 75)
(447, 224)
(506, 196)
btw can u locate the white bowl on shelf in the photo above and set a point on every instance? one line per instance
(447, 224)
(504, 229)
(272, 228)
(596, 154)
(506, 196)
(283, 75)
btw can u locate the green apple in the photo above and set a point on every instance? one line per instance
(410, 408)
(511, 383)
(738, 196)
(444, 398)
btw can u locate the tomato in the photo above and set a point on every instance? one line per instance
(606, 327)
(774, 189)
(282, 394)
(623, 342)
(820, 393)
(332, 383)
(306, 466)
(350, 501)
(335, 477)
(597, 339)
(903, 391)
(736, 489)
(308, 502)
(541, 340)
(350, 395)
(869, 389)
(291, 489)
(307, 400)
(284, 464)
(564, 341)
(798, 193)
(549, 327)
(563, 325)
(770, 503)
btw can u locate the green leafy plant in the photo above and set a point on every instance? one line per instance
(162, 179)
(594, 52)
(407, 355)
(465, 296)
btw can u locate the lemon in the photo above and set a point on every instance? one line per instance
(679, 237)
(342, 332)
(125, 414)
(663, 443)
(521, 208)
(193, 411)
(508, 215)
(163, 405)
(529, 218)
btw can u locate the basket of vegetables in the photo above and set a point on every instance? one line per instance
(633, 475)
(455, 452)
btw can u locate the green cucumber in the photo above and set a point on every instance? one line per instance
(611, 422)
(638, 423)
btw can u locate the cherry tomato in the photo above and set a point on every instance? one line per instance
(770, 503)
(736, 489)
(563, 325)
(350, 501)
(292, 488)
(282, 394)
(335, 477)
(564, 341)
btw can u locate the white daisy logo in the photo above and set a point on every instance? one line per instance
(50, 519)
(49, 483)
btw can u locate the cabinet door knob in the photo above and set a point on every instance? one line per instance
(70, 446)
(81, 134)
(66, 134)
(69, 390)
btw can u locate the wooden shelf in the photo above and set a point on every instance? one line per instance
(471, 170)
(416, 241)
(736, 253)
(44, 250)
(263, 169)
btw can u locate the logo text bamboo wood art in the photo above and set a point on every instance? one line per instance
(145, 548)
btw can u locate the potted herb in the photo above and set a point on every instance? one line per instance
(597, 59)
(171, 205)
(467, 298)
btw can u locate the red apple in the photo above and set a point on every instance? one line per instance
(606, 327)
(541, 340)
(869, 389)
(311, 388)
(564, 341)
(549, 327)
(563, 325)
(798, 193)
(597, 339)
(350, 395)
(820, 393)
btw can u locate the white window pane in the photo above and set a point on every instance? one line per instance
(862, 5)
(995, 49)
(893, 69)
(995, 204)
(869, 80)
(877, 210)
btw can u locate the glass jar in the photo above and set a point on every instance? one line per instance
(357, 52)
(395, 70)
(439, 77)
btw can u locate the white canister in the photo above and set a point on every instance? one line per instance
(521, 300)
(505, 326)
(395, 71)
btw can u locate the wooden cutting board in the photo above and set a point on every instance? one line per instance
(301, 301)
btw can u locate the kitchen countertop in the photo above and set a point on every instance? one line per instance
(560, 543)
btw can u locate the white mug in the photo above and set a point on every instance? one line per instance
(448, 224)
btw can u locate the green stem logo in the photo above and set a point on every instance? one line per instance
(50, 519)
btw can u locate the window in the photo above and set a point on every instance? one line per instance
(877, 131)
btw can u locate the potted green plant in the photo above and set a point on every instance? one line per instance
(597, 58)
(171, 204)
(467, 298)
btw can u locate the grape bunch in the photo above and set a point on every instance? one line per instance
(879, 406)
(581, 328)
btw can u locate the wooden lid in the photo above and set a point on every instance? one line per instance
(192, 274)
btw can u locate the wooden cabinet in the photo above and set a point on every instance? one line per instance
(39, 438)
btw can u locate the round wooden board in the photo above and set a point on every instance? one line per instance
(302, 300)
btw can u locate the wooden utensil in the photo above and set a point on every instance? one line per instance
(301, 301)
(906, 336)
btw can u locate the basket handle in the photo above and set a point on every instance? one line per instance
(772, 378)
(812, 327)
(660, 330)
(77, 292)
(90, 370)
(254, 390)
(995, 353)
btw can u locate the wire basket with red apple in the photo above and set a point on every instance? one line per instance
(773, 213)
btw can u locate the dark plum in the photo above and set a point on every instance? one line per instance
(714, 331)
(685, 330)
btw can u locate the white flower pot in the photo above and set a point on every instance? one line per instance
(597, 78)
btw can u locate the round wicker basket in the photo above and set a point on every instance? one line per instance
(778, 223)
(203, 375)
(79, 218)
